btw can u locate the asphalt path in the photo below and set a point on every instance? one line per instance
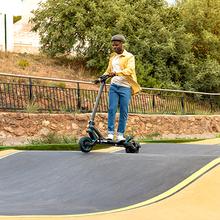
(60, 183)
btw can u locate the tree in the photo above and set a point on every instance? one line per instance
(202, 20)
(158, 39)
(154, 32)
(79, 27)
(170, 43)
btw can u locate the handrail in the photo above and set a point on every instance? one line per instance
(18, 97)
(45, 78)
(180, 91)
(89, 82)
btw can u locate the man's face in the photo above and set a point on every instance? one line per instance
(117, 47)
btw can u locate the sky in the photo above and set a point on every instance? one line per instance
(171, 1)
(13, 6)
(17, 6)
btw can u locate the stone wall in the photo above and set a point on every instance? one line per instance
(18, 128)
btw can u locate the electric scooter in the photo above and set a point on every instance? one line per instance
(95, 137)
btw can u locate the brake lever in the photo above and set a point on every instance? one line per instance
(96, 81)
(101, 78)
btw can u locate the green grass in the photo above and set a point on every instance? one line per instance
(75, 146)
(170, 140)
(217, 136)
(51, 147)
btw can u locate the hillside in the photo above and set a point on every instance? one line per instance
(39, 65)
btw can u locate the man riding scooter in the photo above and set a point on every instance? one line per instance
(121, 69)
(123, 83)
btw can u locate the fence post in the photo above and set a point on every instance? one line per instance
(30, 90)
(211, 103)
(183, 104)
(78, 97)
(154, 102)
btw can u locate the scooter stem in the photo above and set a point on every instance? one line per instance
(92, 118)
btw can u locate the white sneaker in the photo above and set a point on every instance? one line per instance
(120, 137)
(110, 137)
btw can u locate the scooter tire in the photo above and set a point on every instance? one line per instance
(85, 144)
(132, 148)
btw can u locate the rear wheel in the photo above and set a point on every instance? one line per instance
(132, 147)
(86, 144)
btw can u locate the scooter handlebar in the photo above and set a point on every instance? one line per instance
(102, 78)
(97, 81)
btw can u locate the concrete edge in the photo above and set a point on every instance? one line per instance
(7, 153)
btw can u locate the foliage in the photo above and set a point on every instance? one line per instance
(16, 19)
(175, 46)
(161, 47)
(202, 20)
(32, 107)
(77, 27)
(208, 76)
(23, 63)
(53, 138)
(61, 85)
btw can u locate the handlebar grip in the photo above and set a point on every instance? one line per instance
(96, 81)
(102, 78)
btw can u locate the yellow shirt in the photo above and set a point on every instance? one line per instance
(127, 65)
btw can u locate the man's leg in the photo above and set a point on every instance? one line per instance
(124, 99)
(113, 105)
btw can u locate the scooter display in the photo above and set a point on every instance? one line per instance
(95, 137)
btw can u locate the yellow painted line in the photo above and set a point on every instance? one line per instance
(166, 194)
(109, 150)
(7, 153)
(158, 198)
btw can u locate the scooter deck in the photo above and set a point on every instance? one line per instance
(113, 142)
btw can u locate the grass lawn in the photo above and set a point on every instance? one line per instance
(75, 146)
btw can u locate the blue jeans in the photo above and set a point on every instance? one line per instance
(118, 95)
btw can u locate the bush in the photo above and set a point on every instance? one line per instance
(16, 19)
(168, 42)
(54, 138)
(23, 63)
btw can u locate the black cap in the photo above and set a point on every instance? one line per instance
(118, 37)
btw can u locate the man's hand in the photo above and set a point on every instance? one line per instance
(103, 77)
(112, 74)
(96, 81)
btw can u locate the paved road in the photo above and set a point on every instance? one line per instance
(59, 183)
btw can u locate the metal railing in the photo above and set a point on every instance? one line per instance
(43, 94)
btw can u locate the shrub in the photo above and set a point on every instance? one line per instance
(23, 63)
(54, 138)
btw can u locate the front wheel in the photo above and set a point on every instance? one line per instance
(86, 144)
